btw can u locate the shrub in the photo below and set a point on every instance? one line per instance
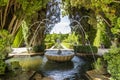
(101, 36)
(100, 66)
(49, 45)
(39, 48)
(2, 67)
(68, 45)
(113, 61)
(5, 48)
(85, 49)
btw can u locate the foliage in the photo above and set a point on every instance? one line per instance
(85, 49)
(5, 48)
(2, 67)
(29, 7)
(116, 29)
(82, 17)
(39, 48)
(101, 36)
(13, 12)
(113, 61)
(67, 40)
(68, 45)
(91, 35)
(25, 33)
(108, 10)
(3, 2)
(100, 65)
(18, 39)
(49, 45)
(72, 38)
(50, 39)
(5, 43)
(14, 65)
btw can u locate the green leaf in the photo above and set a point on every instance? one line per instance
(18, 39)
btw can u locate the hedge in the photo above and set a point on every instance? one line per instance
(85, 49)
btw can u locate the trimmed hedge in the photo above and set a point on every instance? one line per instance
(39, 48)
(85, 49)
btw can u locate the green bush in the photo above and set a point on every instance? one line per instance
(5, 48)
(39, 48)
(100, 65)
(68, 45)
(2, 67)
(101, 36)
(113, 61)
(49, 45)
(85, 49)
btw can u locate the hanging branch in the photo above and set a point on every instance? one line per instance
(11, 23)
(5, 14)
(16, 26)
(116, 2)
(106, 21)
(1, 17)
(16, 22)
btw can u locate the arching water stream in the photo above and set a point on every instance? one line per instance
(71, 70)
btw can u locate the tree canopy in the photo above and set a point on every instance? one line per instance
(12, 12)
(107, 10)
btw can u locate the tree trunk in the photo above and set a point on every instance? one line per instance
(5, 15)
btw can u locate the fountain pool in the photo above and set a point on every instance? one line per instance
(59, 55)
(70, 70)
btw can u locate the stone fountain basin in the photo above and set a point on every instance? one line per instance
(66, 55)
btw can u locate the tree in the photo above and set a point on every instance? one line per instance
(13, 12)
(102, 39)
(108, 10)
(80, 20)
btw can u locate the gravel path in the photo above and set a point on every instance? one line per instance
(102, 51)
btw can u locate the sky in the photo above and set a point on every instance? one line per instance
(62, 27)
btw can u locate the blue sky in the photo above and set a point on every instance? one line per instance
(62, 27)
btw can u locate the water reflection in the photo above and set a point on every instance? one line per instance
(72, 70)
(28, 63)
(53, 66)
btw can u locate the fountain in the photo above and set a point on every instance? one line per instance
(59, 53)
(72, 70)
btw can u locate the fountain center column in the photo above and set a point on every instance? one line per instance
(59, 44)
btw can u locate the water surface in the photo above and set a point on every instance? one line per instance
(72, 70)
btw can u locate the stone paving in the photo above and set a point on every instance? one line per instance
(102, 51)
